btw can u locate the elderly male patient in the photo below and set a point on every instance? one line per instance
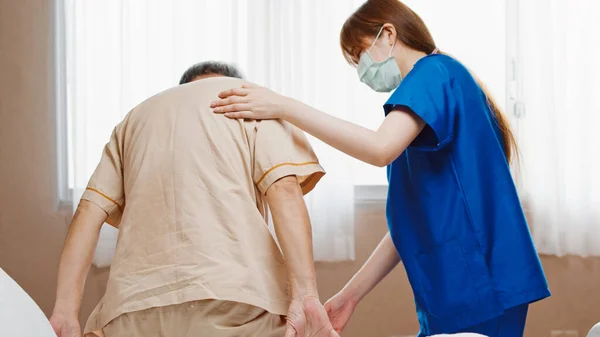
(188, 191)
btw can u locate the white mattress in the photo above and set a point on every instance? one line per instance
(19, 315)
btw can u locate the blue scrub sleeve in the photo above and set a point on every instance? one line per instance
(427, 92)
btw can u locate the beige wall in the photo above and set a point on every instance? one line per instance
(32, 228)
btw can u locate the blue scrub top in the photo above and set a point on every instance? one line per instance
(453, 209)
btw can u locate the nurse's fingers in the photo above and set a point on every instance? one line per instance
(236, 107)
(228, 101)
(235, 91)
(240, 115)
(250, 86)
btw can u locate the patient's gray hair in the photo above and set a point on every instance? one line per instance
(210, 68)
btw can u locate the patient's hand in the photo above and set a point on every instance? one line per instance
(307, 318)
(339, 309)
(65, 327)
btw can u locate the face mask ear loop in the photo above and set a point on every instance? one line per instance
(391, 50)
(376, 37)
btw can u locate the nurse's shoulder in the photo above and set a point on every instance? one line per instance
(442, 66)
(429, 79)
(430, 66)
(453, 69)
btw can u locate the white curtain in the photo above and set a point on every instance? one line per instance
(121, 52)
(559, 67)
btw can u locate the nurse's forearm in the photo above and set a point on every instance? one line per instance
(377, 148)
(76, 257)
(383, 260)
(294, 234)
(352, 139)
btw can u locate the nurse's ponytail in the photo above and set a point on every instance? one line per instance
(509, 142)
(413, 33)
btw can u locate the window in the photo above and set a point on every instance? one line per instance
(475, 37)
(117, 54)
(113, 55)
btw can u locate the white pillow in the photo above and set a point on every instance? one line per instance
(595, 332)
(19, 315)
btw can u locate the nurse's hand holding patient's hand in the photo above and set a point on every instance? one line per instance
(252, 102)
(307, 318)
(339, 309)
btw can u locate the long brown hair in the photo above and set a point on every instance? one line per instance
(413, 33)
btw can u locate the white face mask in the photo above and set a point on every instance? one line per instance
(382, 76)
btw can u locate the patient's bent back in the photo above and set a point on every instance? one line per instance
(185, 187)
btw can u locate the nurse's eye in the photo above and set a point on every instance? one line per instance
(356, 55)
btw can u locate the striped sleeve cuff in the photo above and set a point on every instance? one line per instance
(308, 175)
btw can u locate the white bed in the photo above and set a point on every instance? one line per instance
(19, 315)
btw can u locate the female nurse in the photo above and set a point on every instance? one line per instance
(453, 212)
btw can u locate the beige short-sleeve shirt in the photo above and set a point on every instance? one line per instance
(185, 188)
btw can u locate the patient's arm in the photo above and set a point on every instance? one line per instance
(75, 262)
(293, 229)
(306, 316)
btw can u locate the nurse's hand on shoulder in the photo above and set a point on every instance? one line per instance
(252, 102)
(65, 326)
(307, 318)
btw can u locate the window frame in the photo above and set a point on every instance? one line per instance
(364, 194)
(59, 103)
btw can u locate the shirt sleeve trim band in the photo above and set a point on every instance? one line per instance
(284, 164)
(107, 197)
